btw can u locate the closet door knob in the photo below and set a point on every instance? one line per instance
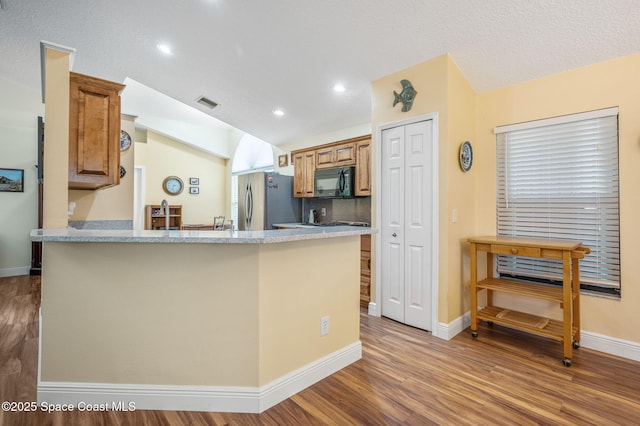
(394, 235)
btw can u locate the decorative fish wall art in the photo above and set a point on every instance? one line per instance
(407, 95)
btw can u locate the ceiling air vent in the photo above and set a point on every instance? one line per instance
(206, 102)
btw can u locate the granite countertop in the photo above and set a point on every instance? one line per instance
(196, 237)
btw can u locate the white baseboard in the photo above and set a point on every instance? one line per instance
(449, 331)
(198, 398)
(14, 272)
(286, 386)
(610, 345)
(373, 310)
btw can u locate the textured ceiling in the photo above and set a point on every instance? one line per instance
(252, 56)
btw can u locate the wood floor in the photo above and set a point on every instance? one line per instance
(406, 376)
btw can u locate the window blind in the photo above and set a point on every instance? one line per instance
(560, 181)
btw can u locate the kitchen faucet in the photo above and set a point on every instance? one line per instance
(164, 209)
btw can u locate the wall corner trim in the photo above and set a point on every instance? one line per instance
(44, 45)
(450, 330)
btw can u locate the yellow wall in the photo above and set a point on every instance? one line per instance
(296, 293)
(195, 314)
(612, 83)
(150, 313)
(113, 203)
(164, 157)
(441, 89)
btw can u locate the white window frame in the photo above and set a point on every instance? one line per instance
(550, 179)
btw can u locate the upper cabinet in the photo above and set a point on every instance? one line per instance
(363, 168)
(340, 155)
(303, 176)
(351, 152)
(94, 132)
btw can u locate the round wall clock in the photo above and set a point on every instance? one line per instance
(466, 156)
(172, 185)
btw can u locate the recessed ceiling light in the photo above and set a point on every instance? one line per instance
(339, 88)
(278, 112)
(164, 48)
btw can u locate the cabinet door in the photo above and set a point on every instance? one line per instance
(303, 174)
(336, 156)
(298, 175)
(324, 157)
(363, 168)
(344, 155)
(309, 173)
(94, 132)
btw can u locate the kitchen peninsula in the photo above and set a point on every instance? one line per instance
(196, 320)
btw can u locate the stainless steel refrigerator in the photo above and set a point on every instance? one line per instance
(265, 199)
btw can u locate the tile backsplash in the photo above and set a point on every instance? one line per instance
(350, 209)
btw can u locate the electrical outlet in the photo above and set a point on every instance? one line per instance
(324, 326)
(323, 212)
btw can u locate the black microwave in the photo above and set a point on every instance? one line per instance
(334, 183)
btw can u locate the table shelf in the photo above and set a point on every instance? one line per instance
(538, 291)
(553, 329)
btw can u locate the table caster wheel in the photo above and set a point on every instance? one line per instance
(576, 345)
(490, 323)
(566, 362)
(474, 334)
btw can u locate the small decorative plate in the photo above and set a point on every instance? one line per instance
(466, 156)
(125, 140)
(123, 171)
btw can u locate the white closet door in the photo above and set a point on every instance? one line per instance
(407, 209)
(392, 228)
(418, 211)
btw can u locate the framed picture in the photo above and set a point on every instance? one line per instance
(11, 180)
(283, 160)
(194, 190)
(194, 181)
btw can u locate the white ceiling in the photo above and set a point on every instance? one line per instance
(252, 56)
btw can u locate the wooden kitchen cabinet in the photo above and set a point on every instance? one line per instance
(363, 168)
(349, 152)
(567, 330)
(153, 219)
(94, 132)
(365, 270)
(303, 173)
(343, 154)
